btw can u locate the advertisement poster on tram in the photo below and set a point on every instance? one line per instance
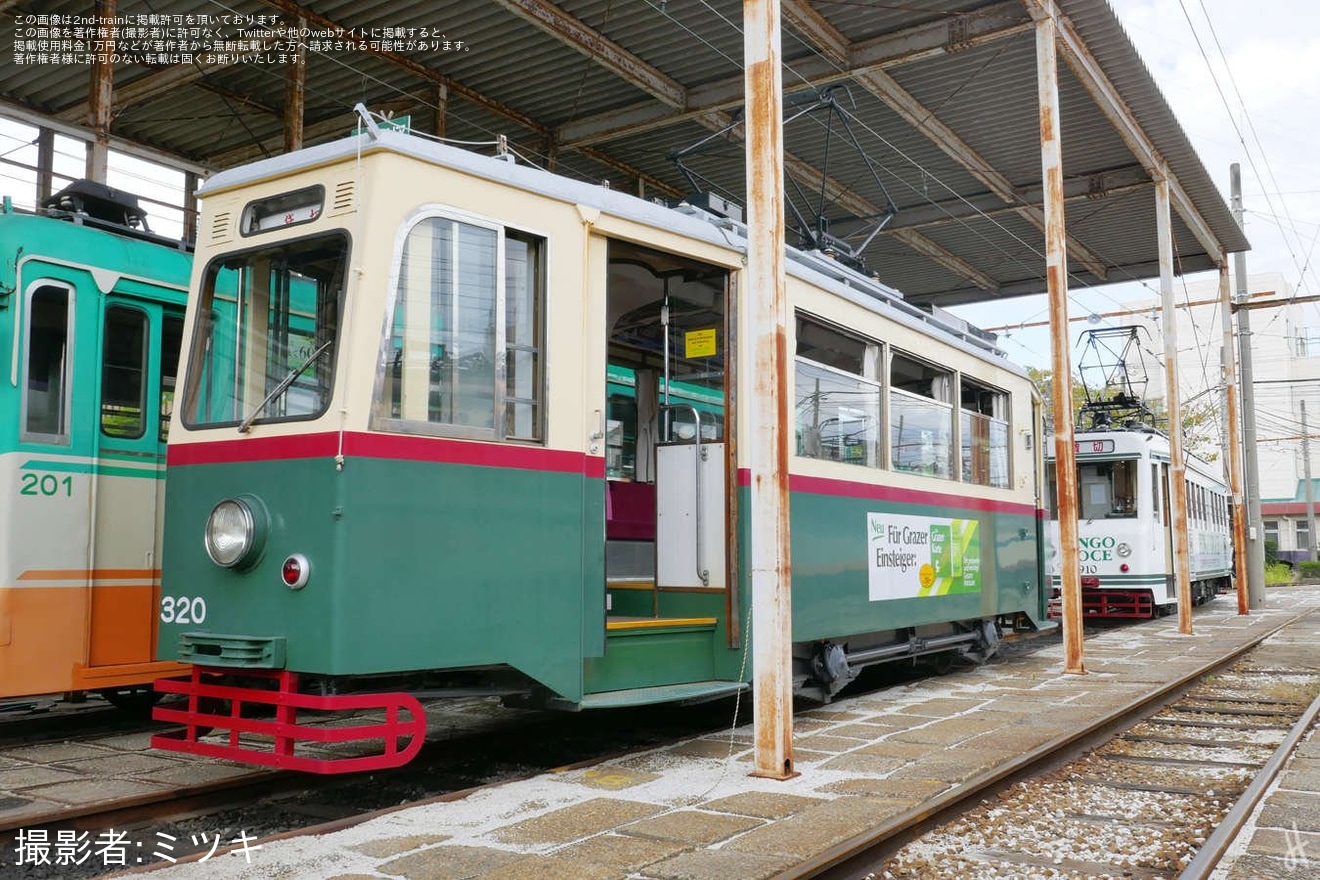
(910, 557)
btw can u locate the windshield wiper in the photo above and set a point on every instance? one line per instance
(282, 387)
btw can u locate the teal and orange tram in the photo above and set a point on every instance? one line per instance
(91, 319)
(452, 422)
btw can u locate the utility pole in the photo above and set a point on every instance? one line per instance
(1255, 527)
(1310, 490)
(1232, 444)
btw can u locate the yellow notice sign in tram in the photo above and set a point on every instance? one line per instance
(700, 343)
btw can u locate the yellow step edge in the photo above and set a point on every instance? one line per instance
(630, 585)
(655, 622)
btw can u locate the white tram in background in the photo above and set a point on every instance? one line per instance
(1125, 529)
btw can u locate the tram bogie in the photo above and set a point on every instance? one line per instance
(514, 454)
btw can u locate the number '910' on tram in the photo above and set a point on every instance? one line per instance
(451, 422)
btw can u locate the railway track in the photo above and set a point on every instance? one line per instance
(267, 803)
(1161, 795)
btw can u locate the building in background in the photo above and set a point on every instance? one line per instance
(1286, 363)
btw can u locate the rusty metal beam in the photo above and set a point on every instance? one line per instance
(144, 88)
(1056, 277)
(946, 258)
(617, 60)
(802, 17)
(766, 332)
(295, 94)
(1091, 187)
(456, 88)
(1177, 461)
(921, 42)
(100, 107)
(1228, 356)
(926, 122)
(1092, 77)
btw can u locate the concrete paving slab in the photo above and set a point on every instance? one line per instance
(813, 830)
(577, 821)
(91, 791)
(126, 742)
(123, 764)
(948, 732)
(53, 753)
(623, 852)
(1287, 842)
(393, 846)
(1294, 810)
(609, 778)
(719, 864)
(826, 743)
(450, 863)
(691, 826)
(762, 804)
(555, 867)
(1254, 867)
(25, 778)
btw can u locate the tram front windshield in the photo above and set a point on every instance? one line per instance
(1105, 490)
(266, 333)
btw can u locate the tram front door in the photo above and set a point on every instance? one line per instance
(666, 452)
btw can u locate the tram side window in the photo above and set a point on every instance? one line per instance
(450, 365)
(123, 373)
(836, 405)
(1107, 490)
(49, 340)
(171, 341)
(984, 435)
(920, 417)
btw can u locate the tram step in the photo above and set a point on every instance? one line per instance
(695, 691)
(642, 652)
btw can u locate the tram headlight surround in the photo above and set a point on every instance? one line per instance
(1124, 550)
(236, 532)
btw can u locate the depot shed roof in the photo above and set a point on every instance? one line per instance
(923, 114)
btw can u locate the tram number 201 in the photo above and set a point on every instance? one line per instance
(45, 485)
(182, 609)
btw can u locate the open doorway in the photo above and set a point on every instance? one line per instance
(667, 455)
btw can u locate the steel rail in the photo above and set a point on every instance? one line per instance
(835, 858)
(1206, 860)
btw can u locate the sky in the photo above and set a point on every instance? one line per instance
(1243, 78)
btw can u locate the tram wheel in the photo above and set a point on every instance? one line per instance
(136, 701)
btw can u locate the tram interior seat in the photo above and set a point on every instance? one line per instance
(629, 531)
(630, 511)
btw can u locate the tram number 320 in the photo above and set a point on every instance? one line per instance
(182, 609)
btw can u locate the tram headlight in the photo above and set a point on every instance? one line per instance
(235, 531)
(1123, 550)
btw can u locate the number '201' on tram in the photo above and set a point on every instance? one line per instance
(91, 318)
(447, 420)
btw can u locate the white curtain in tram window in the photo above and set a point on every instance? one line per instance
(647, 425)
(941, 388)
